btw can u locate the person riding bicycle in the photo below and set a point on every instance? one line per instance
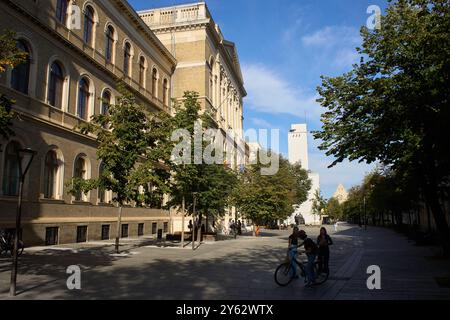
(293, 242)
(293, 245)
(311, 251)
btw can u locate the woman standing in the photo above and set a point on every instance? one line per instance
(324, 242)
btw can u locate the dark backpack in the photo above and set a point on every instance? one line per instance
(310, 244)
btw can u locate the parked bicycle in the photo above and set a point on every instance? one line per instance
(7, 244)
(288, 271)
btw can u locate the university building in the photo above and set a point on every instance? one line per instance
(71, 74)
(208, 64)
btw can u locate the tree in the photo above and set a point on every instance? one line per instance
(134, 151)
(334, 209)
(393, 106)
(211, 184)
(319, 204)
(265, 199)
(10, 56)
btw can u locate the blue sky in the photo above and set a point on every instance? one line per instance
(284, 47)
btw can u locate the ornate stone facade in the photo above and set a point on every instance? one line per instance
(69, 73)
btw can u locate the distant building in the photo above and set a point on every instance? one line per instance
(298, 153)
(341, 195)
(298, 145)
(254, 147)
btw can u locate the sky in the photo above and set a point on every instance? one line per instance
(284, 47)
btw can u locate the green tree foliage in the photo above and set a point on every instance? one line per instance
(212, 184)
(388, 195)
(134, 151)
(268, 198)
(10, 57)
(393, 107)
(319, 204)
(334, 209)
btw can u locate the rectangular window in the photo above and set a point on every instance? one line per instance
(154, 227)
(82, 234)
(105, 232)
(51, 236)
(166, 227)
(124, 231)
(140, 229)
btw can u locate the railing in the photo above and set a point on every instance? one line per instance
(175, 15)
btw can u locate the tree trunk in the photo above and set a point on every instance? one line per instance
(430, 188)
(119, 222)
(440, 220)
(199, 232)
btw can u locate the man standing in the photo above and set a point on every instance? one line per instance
(311, 252)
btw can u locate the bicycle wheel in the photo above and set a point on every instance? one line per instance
(284, 274)
(321, 277)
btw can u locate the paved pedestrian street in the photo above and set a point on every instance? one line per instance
(239, 269)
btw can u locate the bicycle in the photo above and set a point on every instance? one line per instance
(7, 244)
(287, 272)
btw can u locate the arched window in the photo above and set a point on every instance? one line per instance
(61, 11)
(109, 44)
(80, 172)
(155, 82)
(106, 102)
(11, 173)
(51, 175)
(142, 72)
(127, 59)
(88, 25)
(83, 98)
(56, 85)
(166, 92)
(20, 76)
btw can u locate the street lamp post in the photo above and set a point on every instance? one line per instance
(182, 221)
(365, 212)
(24, 158)
(194, 194)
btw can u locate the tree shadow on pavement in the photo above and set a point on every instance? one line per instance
(51, 263)
(241, 275)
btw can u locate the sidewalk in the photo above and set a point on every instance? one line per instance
(241, 269)
(407, 271)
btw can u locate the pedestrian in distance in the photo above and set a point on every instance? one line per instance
(190, 226)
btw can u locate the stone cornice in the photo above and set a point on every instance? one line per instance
(141, 26)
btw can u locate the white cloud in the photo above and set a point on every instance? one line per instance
(268, 92)
(334, 46)
(347, 173)
(290, 33)
(346, 57)
(332, 36)
(261, 123)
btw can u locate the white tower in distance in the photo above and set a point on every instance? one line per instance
(298, 145)
(298, 153)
